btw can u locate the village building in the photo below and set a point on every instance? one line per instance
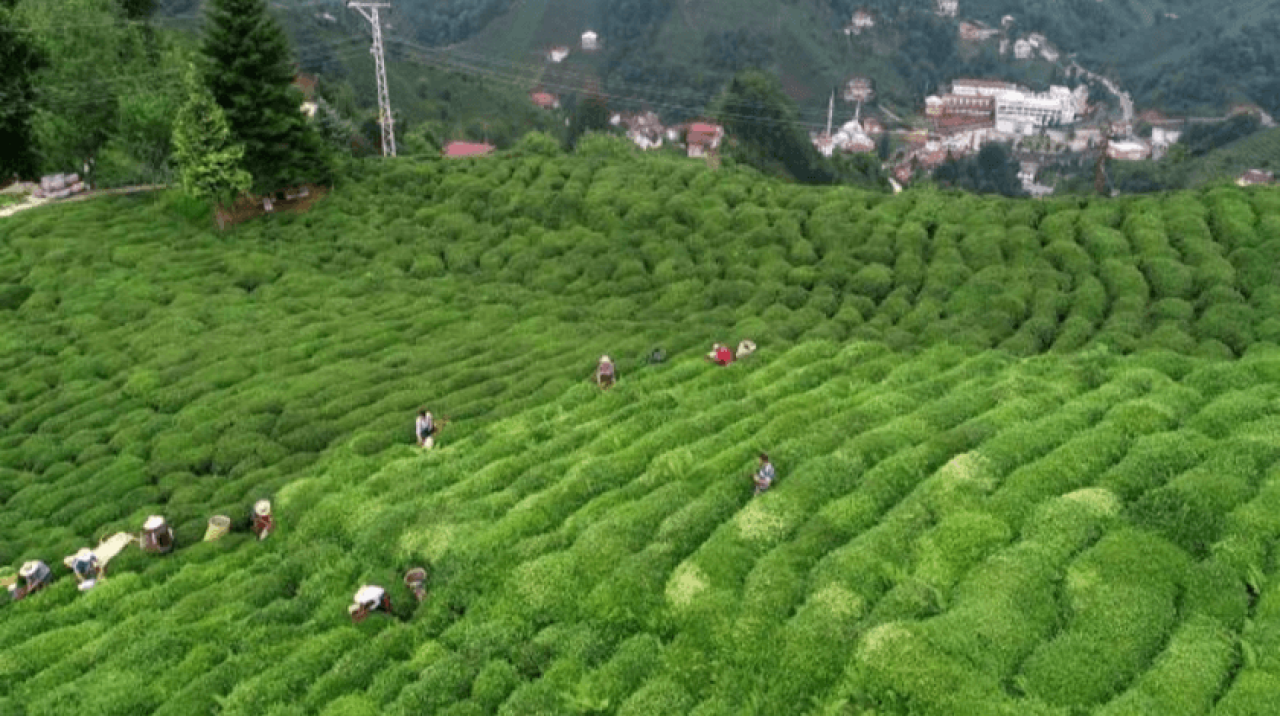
(645, 130)
(454, 150)
(703, 138)
(862, 20)
(976, 31)
(1128, 150)
(947, 8)
(872, 126)
(590, 41)
(1021, 112)
(1022, 49)
(984, 88)
(1255, 177)
(858, 89)
(545, 100)
(558, 54)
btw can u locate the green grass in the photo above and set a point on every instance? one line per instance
(1029, 453)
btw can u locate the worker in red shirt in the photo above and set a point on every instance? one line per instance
(720, 354)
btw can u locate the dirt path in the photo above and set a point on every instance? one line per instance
(32, 202)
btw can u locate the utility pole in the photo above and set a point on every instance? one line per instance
(370, 12)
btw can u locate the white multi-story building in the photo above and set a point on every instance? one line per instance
(1020, 112)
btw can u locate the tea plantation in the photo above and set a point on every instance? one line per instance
(1028, 452)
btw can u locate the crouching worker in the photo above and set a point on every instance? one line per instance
(425, 429)
(720, 354)
(86, 567)
(765, 475)
(416, 580)
(35, 576)
(606, 374)
(369, 598)
(157, 536)
(262, 520)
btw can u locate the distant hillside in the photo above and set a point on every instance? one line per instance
(1174, 54)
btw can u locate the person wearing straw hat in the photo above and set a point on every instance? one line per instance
(262, 521)
(157, 536)
(369, 598)
(35, 575)
(416, 580)
(720, 354)
(86, 567)
(606, 373)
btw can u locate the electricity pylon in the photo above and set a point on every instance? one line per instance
(370, 12)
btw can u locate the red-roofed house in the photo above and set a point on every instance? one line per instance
(703, 138)
(467, 149)
(1256, 176)
(545, 100)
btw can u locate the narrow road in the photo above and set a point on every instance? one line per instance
(32, 202)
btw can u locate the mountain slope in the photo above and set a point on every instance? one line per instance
(1026, 449)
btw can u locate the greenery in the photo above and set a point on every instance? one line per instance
(209, 164)
(993, 170)
(251, 77)
(19, 59)
(1025, 449)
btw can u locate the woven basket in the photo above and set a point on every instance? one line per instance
(218, 525)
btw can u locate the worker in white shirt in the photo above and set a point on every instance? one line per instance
(369, 598)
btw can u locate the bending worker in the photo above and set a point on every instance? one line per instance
(35, 575)
(157, 536)
(606, 374)
(765, 475)
(369, 598)
(262, 521)
(425, 428)
(86, 567)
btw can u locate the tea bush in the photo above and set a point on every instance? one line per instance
(1025, 450)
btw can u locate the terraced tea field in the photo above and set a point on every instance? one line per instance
(1028, 452)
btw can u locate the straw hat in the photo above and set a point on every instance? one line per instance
(605, 359)
(154, 522)
(29, 569)
(262, 508)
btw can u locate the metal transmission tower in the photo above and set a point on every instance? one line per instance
(370, 12)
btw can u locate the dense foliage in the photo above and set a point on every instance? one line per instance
(251, 76)
(209, 163)
(1026, 450)
(993, 170)
(19, 59)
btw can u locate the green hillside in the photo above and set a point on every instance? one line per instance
(1027, 450)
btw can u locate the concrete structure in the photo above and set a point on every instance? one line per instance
(858, 89)
(703, 138)
(1128, 150)
(545, 100)
(1021, 112)
(558, 54)
(862, 20)
(1256, 176)
(590, 41)
(1022, 49)
(976, 31)
(947, 8)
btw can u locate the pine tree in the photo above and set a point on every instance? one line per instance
(19, 59)
(251, 77)
(208, 162)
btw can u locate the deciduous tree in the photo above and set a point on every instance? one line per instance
(19, 59)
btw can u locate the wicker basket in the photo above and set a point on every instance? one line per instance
(219, 525)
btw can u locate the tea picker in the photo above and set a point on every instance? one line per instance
(157, 536)
(426, 428)
(764, 476)
(35, 576)
(606, 373)
(263, 523)
(416, 580)
(369, 598)
(720, 354)
(86, 566)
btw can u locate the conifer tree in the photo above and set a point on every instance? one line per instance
(19, 59)
(251, 77)
(208, 161)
